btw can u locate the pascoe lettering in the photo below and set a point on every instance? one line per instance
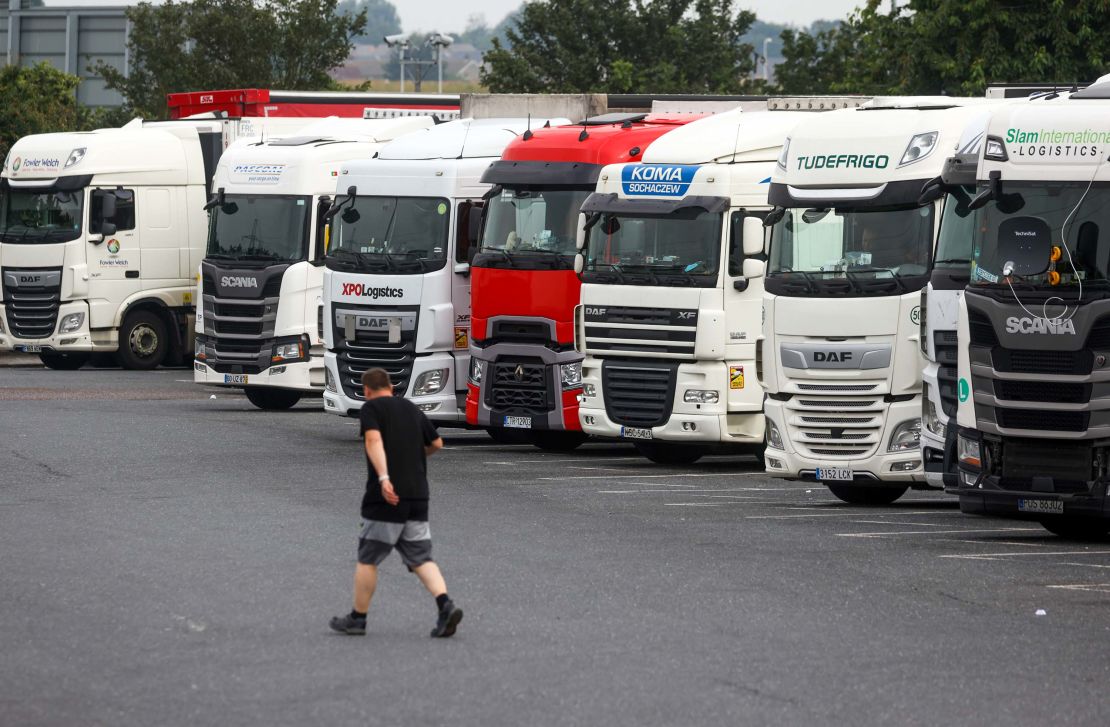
(1040, 325)
(238, 281)
(361, 290)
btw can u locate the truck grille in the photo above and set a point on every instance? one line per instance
(946, 349)
(1045, 420)
(1042, 362)
(648, 332)
(372, 349)
(520, 385)
(1068, 463)
(32, 311)
(981, 330)
(638, 395)
(836, 426)
(1046, 391)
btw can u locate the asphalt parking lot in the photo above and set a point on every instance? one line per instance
(171, 558)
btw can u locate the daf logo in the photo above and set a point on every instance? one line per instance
(238, 281)
(32, 279)
(373, 322)
(595, 311)
(1040, 325)
(832, 356)
(518, 372)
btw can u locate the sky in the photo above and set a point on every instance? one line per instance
(450, 15)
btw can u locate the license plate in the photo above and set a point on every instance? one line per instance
(635, 433)
(29, 348)
(1047, 507)
(235, 378)
(839, 474)
(518, 422)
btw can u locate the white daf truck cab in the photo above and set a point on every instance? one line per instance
(101, 233)
(850, 250)
(396, 287)
(1033, 330)
(260, 281)
(672, 260)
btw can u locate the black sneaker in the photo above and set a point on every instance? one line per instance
(348, 624)
(448, 621)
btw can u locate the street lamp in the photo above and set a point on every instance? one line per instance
(401, 41)
(440, 41)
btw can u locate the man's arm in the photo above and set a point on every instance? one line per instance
(435, 446)
(375, 450)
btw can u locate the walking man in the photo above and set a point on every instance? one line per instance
(398, 439)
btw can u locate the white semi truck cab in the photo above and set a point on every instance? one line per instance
(101, 233)
(672, 264)
(396, 286)
(850, 250)
(260, 281)
(1033, 379)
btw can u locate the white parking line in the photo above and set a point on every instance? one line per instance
(703, 504)
(940, 532)
(985, 556)
(895, 522)
(1088, 565)
(1095, 587)
(850, 513)
(999, 542)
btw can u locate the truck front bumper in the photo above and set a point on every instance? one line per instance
(306, 376)
(79, 340)
(446, 406)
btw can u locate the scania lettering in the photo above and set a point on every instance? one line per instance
(672, 281)
(260, 283)
(100, 237)
(850, 250)
(525, 375)
(401, 229)
(1033, 410)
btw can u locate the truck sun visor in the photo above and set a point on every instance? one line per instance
(518, 173)
(613, 204)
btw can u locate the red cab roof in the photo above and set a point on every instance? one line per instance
(596, 141)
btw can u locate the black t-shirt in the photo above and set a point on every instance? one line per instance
(405, 432)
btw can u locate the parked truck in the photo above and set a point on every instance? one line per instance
(1034, 322)
(672, 262)
(525, 373)
(396, 278)
(260, 281)
(850, 250)
(100, 236)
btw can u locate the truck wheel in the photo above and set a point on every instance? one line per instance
(63, 361)
(668, 453)
(863, 495)
(1077, 528)
(550, 441)
(143, 341)
(272, 399)
(501, 435)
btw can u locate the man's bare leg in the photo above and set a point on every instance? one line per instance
(366, 580)
(430, 576)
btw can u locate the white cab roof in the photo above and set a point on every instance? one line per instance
(733, 136)
(463, 139)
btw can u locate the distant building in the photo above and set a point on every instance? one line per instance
(70, 38)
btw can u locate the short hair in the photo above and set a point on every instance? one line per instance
(376, 380)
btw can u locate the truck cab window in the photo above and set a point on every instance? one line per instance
(124, 217)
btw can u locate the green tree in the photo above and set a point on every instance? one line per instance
(37, 100)
(381, 18)
(207, 44)
(620, 46)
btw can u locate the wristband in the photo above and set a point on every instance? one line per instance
(383, 477)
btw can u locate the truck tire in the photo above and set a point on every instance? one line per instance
(1077, 528)
(670, 453)
(558, 441)
(63, 361)
(143, 341)
(501, 435)
(272, 399)
(866, 495)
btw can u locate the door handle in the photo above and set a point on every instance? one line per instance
(132, 274)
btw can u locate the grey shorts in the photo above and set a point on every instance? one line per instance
(412, 539)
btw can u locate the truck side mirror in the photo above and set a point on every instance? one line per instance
(579, 263)
(107, 205)
(754, 233)
(107, 228)
(752, 269)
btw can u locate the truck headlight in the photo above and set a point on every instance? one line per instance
(907, 436)
(475, 371)
(75, 157)
(701, 396)
(571, 374)
(289, 352)
(589, 390)
(774, 439)
(329, 380)
(198, 349)
(430, 382)
(71, 322)
(932, 421)
(970, 452)
(920, 146)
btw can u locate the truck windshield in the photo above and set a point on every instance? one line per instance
(533, 221)
(956, 238)
(1086, 213)
(31, 217)
(846, 251)
(261, 228)
(390, 234)
(681, 249)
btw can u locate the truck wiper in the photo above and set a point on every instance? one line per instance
(615, 268)
(504, 253)
(260, 256)
(219, 256)
(810, 285)
(849, 275)
(358, 258)
(953, 261)
(394, 265)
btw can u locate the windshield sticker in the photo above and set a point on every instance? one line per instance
(657, 180)
(1081, 145)
(441, 208)
(981, 274)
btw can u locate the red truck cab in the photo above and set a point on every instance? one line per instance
(525, 376)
